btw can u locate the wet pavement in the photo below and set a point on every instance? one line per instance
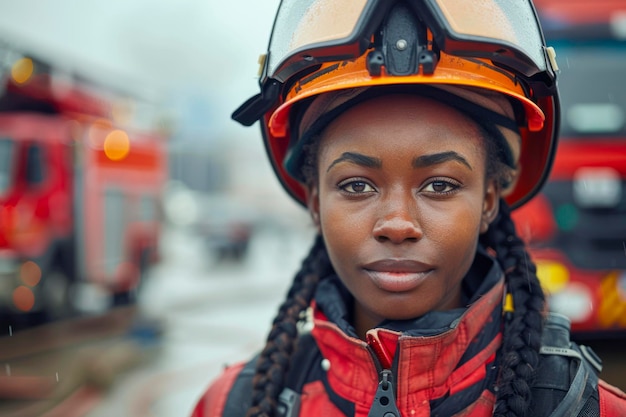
(74, 360)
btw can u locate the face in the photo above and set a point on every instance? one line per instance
(401, 199)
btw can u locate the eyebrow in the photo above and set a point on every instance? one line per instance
(438, 158)
(357, 158)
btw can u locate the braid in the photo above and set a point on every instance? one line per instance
(274, 360)
(522, 330)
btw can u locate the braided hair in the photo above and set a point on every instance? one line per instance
(522, 327)
(273, 362)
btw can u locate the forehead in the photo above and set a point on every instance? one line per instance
(405, 123)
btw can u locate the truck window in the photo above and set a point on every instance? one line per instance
(7, 149)
(34, 165)
(592, 88)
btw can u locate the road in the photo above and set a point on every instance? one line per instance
(156, 358)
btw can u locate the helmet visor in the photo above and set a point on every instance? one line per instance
(310, 32)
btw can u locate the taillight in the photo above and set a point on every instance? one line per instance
(535, 220)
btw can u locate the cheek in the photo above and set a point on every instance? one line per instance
(340, 224)
(344, 229)
(457, 226)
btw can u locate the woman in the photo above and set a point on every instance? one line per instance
(409, 130)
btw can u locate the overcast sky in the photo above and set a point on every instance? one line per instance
(185, 50)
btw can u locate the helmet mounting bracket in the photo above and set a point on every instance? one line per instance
(402, 45)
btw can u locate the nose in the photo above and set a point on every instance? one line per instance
(398, 223)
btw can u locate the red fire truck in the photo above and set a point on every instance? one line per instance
(577, 225)
(80, 193)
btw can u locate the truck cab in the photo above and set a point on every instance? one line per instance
(577, 224)
(80, 195)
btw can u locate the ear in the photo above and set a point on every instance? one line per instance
(313, 204)
(491, 205)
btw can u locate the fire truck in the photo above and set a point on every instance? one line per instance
(80, 192)
(577, 225)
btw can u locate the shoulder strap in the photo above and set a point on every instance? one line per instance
(566, 384)
(240, 396)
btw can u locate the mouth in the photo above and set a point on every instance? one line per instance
(397, 275)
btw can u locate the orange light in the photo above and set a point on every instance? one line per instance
(30, 273)
(23, 298)
(116, 145)
(22, 70)
(612, 310)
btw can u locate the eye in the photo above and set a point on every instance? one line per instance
(356, 187)
(439, 186)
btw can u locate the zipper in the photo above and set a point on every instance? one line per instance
(384, 404)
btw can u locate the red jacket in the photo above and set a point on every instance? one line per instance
(429, 369)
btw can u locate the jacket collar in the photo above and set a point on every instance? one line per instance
(434, 356)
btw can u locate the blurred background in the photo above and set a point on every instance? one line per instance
(144, 240)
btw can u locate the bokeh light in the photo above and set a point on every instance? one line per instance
(566, 216)
(23, 298)
(116, 145)
(22, 70)
(30, 273)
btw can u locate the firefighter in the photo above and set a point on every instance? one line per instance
(410, 130)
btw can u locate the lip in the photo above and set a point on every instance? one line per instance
(397, 275)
